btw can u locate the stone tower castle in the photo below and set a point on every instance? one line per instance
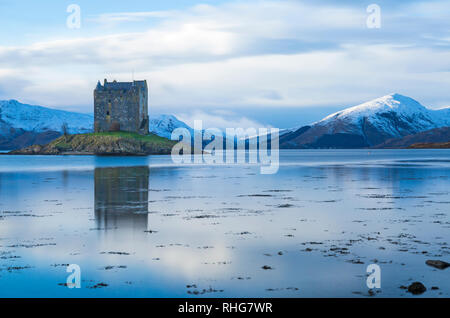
(121, 106)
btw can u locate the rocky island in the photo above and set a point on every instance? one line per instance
(102, 143)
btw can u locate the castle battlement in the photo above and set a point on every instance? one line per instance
(121, 106)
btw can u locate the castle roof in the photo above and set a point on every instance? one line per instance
(120, 85)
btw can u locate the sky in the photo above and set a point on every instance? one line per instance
(230, 63)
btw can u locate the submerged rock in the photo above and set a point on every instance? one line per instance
(437, 264)
(417, 288)
(266, 267)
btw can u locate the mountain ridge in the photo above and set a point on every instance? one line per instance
(39, 118)
(23, 125)
(368, 124)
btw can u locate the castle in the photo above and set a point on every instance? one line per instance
(121, 106)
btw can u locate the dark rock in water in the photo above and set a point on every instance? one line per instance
(266, 267)
(99, 285)
(417, 288)
(287, 205)
(437, 264)
(355, 261)
(434, 288)
(115, 253)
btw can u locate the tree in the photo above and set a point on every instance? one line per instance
(65, 129)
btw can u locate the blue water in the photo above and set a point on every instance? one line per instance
(145, 227)
(360, 157)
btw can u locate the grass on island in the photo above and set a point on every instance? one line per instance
(61, 144)
(124, 134)
(68, 142)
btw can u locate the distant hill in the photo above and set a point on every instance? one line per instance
(369, 124)
(442, 145)
(23, 125)
(436, 135)
(39, 119)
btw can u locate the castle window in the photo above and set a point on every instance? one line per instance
(107, 113)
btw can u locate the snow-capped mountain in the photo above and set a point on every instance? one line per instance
(366, 125)
(163, 125)
(394, 114)
(22, 125)
(369, 124)
(39, 119)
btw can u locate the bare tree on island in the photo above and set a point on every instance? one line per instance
(65, 129)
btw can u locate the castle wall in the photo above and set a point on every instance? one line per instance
(119, 108)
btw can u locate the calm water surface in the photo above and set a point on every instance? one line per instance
(144, 227)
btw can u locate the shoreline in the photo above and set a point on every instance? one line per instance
(101, 144)
(17, 152)
(87, 154)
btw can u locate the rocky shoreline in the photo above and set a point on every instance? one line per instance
(441, 145)
(118, 143)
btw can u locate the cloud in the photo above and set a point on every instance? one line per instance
(317, 78)
(120, 17)
(252, 54)
(220, 119)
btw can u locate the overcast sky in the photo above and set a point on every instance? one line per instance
(231, 63)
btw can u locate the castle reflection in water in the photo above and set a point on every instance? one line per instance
(121, 197)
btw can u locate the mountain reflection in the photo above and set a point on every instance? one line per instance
(121, 197)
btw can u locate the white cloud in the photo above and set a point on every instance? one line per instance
(257, 53)
(220, 119)
(120, 17)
